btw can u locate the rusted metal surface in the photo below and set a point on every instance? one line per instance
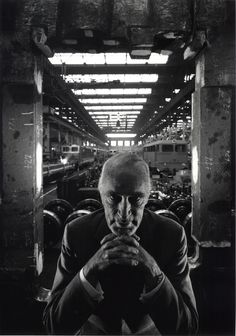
(129, 13)
(36, 13)
(212, 193)
(210, 13)
(77, 15)
(216, 65)
(212, 142)
(83, 24)
(18, 67)
(141, 36)
(171, 16)
(19, 17)
(21, 220)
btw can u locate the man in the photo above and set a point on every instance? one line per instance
(122, 270)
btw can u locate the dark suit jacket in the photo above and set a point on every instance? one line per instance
(172, 308)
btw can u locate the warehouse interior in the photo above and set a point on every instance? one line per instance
(119, 74)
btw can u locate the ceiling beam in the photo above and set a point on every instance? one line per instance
(148, 127)
(162, 83)
(69, 98)
(118, 110)
(87, 105)
(109, 96)
(84, 69)
(57, 120)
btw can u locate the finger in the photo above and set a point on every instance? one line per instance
(121, 241)
(119, 251)
(130, 240)
(115, 243)
(107, 238)
(122, 250)
(136, 237)
(124, 261)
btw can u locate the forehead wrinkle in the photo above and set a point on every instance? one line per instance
(122, 167)
(113, 167)
(126, 181)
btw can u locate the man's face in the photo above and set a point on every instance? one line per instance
(124, 196)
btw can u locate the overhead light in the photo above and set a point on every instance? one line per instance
(121, 135)
(141, 53)
(113, 107)
(111, 43)
(94, 101)
(112, 112)
(124, 91)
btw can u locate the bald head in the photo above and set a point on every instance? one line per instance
(121, 167)
(124, 187)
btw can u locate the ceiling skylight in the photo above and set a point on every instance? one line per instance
(105, 58)
(113, 100)
(108, 122)
(114, 122)
(140, 91)
(109, 97)
(114, 107)
(105, 78)
(121, 135)
(114, 117)
(110, 112)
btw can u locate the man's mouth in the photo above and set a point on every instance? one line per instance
(123, 231)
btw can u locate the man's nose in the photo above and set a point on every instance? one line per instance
(124, 209)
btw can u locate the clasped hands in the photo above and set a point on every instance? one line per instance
(122, 250)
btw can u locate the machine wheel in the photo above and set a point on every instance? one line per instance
(89, 204)
(77, 214)
(154, 204)
(168, 214)
(61, 208)
(181, 207)
(53, 229)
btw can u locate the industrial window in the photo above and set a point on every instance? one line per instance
(157, 148)
(75, 149)
(65, 149)
(113, 143)
(120, 143)
(167, 148)
(180, 148)
(151, 149)
(127, 143)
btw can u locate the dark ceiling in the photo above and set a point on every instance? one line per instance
(140, 28)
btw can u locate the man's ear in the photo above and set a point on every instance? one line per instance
(101, 194)
(147, 198)
(102, 199)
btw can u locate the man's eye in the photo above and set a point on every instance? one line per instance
(136, 200)
(113, 198)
